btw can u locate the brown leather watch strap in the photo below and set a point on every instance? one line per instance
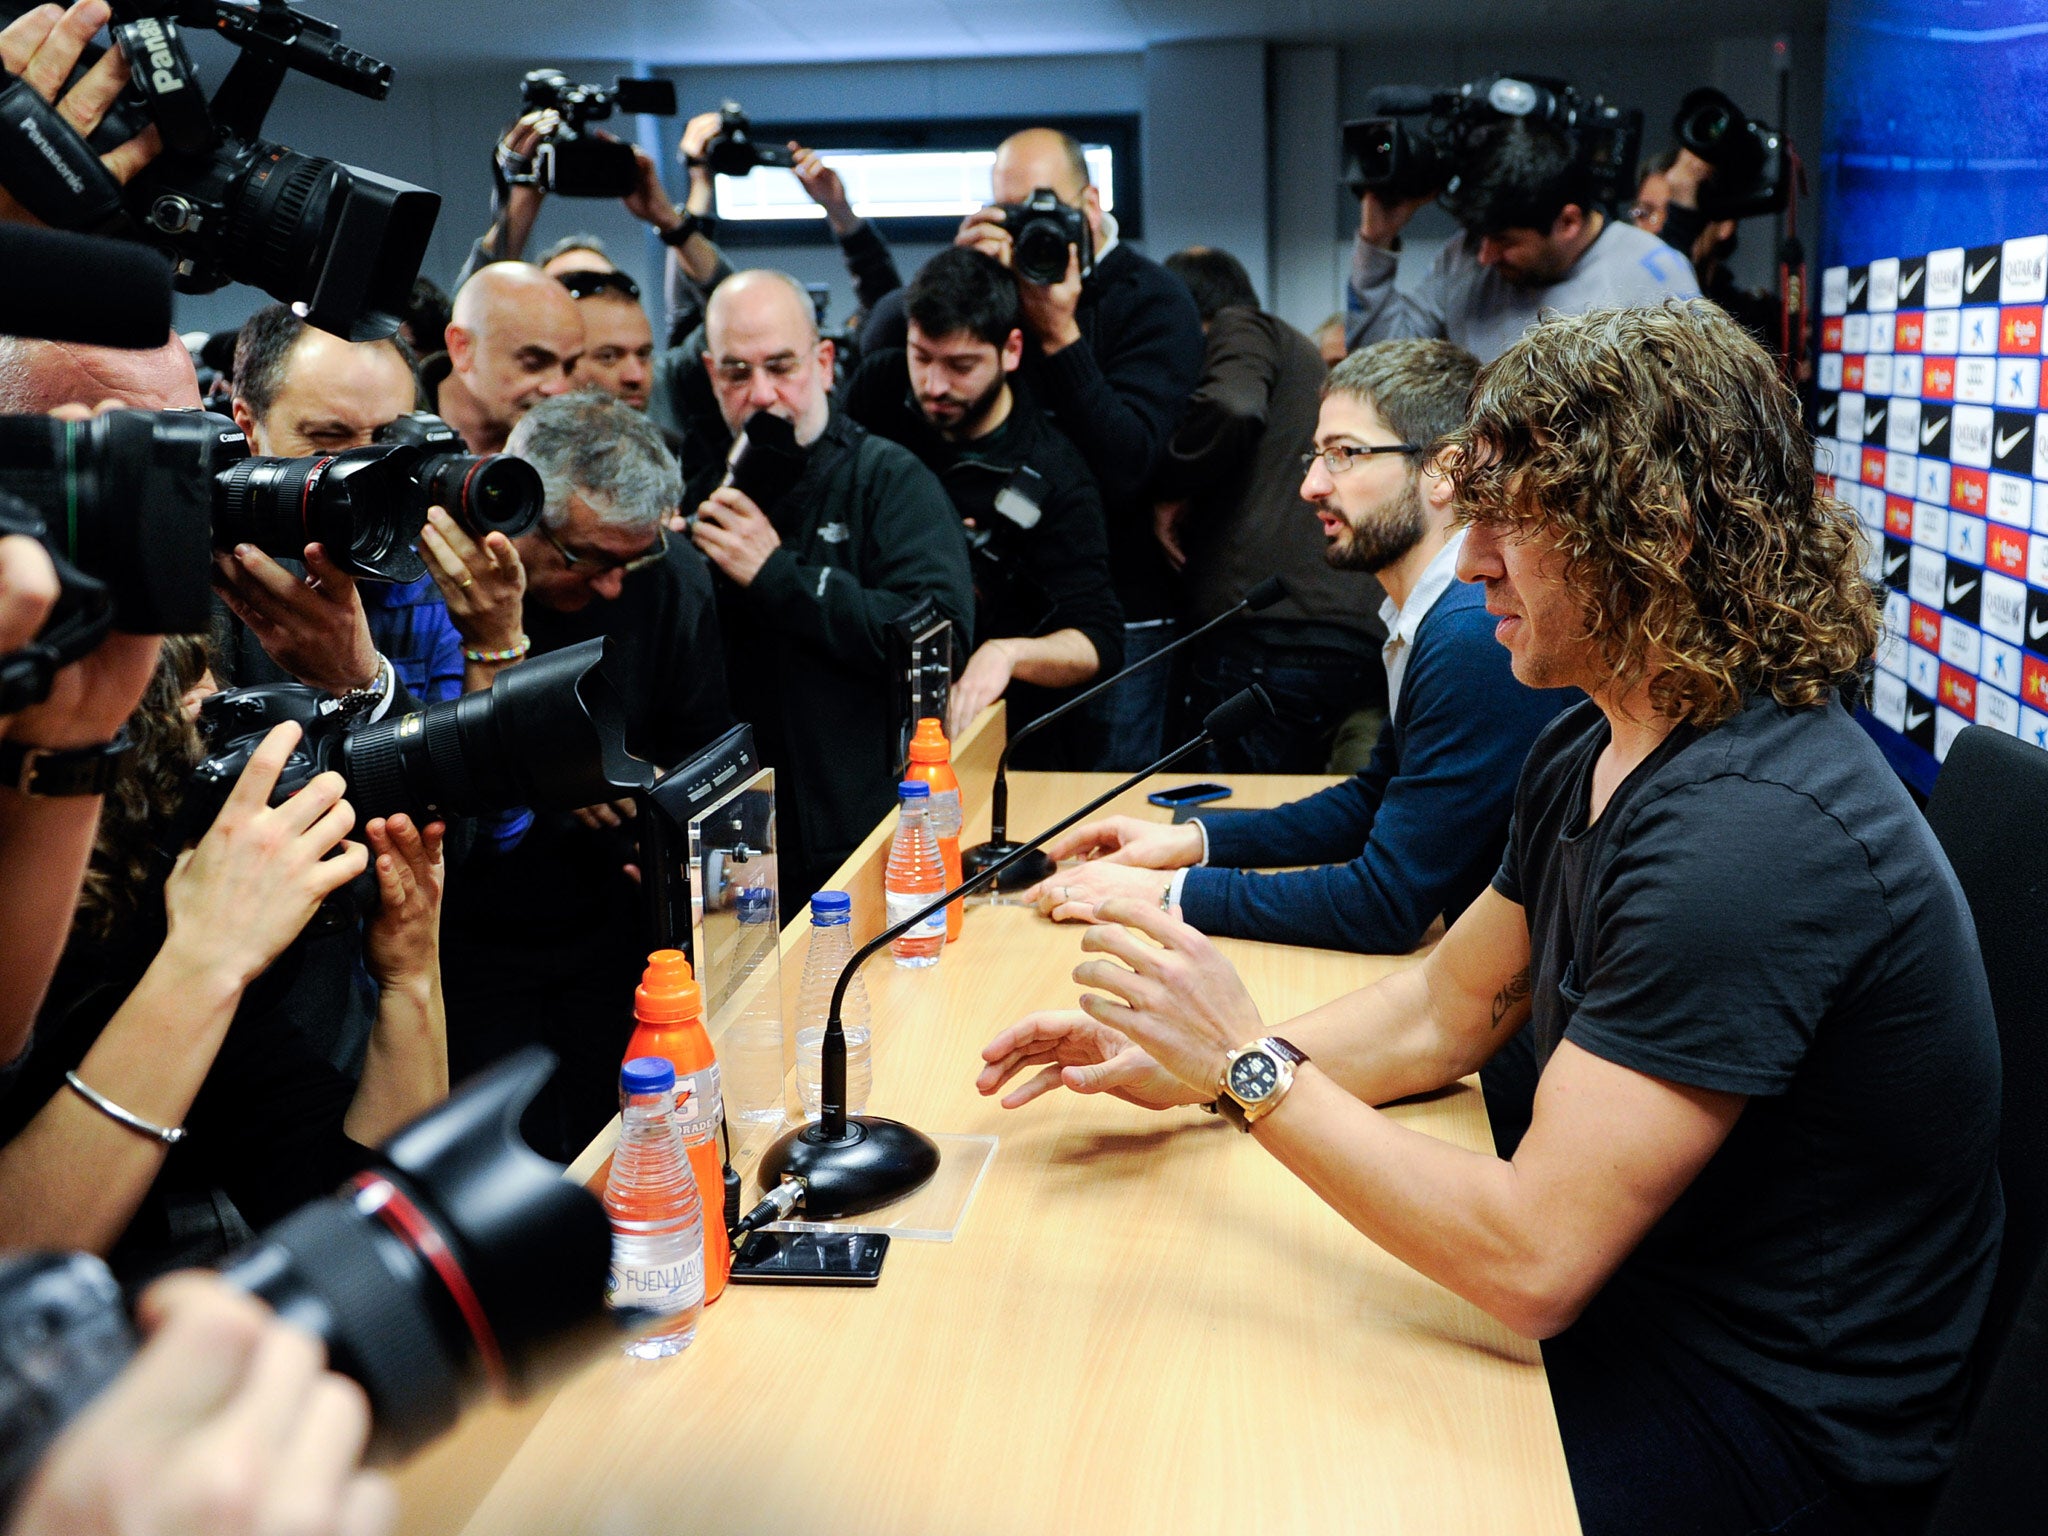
(1295, 1054)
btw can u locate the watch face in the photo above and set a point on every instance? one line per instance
(1253, 1076)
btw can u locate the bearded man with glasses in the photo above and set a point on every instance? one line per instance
(546, 942)
(1418, 832)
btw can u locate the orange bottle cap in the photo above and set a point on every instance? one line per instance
(667, 994)
(929, 745)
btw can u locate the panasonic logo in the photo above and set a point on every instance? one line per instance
(32, 131)
(164, 74)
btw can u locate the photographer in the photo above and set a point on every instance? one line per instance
(618, 338)
(1046, 616)
(808, 586)
(513, 342)
(225, 1424)
(1231, 516)
(546, 941)
(1667, 205)
(170, 1098)
(1113, 354)
(1533, 240)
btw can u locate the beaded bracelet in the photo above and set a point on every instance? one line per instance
(510, 653)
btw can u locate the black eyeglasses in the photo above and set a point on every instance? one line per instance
(600, 565)
(1339, 458)
(582, 285)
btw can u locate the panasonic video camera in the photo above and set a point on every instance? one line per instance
(574, 159)
(1422, 140)
(224, 203)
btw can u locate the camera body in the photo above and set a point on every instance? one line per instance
(734, 151)
(485, 493)
(1422, 140)
(1042, 228)
(459, 1261)
(575, 160)
(222, 202)
(1750, 165)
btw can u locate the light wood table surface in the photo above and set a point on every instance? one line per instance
(1145, 1324)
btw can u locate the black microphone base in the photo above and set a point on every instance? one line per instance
(1022, 875)
(877, 1163)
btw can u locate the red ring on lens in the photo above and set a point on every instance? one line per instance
(379, 1197)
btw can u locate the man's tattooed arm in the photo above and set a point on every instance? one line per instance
(1510, 998)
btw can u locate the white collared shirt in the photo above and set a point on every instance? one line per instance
(1402, 622)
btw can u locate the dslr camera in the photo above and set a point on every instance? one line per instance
(459, 1262)
(224, 203)
(1422, 140)
(1748, 156)
(1042, 228)
(734, 150)
(574, 159)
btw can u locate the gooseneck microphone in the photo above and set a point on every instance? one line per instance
(90, 289)
(845, 1164)
(998, 848)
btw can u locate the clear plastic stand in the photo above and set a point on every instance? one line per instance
(931, 1214)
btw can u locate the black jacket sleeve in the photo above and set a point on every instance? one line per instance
(1120, 395)
(869, 261)
(1070, 562)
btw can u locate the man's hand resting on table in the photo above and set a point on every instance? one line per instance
(1130, 840)
(1071, 895)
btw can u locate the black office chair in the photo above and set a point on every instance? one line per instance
(1987, 811)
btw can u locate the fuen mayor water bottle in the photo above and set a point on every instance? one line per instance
(916, 874)
(657, 1219)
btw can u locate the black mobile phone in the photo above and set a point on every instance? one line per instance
(1190, 794)
(810, 1258)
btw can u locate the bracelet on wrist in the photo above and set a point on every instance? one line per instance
(168, 1135)
(515, 652)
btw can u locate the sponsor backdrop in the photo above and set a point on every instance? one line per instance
(1928, 406)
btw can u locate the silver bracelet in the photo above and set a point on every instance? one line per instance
(169, 1135)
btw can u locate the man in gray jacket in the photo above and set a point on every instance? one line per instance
(1532, 240)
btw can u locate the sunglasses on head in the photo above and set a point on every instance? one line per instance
(582, 285)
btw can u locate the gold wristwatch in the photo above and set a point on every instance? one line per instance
(1256, 1078)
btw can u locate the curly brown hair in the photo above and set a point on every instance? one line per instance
(128, 863)
(1661, 451)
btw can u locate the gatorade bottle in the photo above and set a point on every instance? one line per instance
(668, 1010)
(931, 762)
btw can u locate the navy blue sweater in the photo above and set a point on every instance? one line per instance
(1429, 812)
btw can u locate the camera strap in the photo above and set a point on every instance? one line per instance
(50, 169)
(80, 621)
(161, 72)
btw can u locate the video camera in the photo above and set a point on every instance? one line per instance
(225, 204)
(734, 150)
(459, 1262)
(1421, 140)
(1042, 228)
(1749, 160)
(131, 505)
(575, 160)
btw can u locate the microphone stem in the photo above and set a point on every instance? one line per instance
(832, 1048)
(999, 800)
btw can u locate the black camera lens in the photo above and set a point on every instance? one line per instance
(492, 494)
(1040, 254)
(360, 504)
(126, 499)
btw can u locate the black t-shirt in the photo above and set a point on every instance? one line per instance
(1760, 909)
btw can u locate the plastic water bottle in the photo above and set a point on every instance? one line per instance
(751, 1048)
(931, 760)
(668, 1014)
(831, 947)
(916, 874)
(657, 1219)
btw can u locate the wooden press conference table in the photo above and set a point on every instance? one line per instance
(1144, 1323)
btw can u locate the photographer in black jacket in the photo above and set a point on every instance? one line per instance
(1046, 616)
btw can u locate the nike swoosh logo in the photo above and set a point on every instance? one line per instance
(1956, 594)
(1856, 288)
(1930, 430)
(1909, 283)
(1976, 275)
(1873, 420)
(1891, 566)
(2036, 628)
(1827, 415)
(2005, 443)
(1914, 722)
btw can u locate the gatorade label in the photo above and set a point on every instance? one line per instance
(945, 813)
(699, 1108)
(659, 1287)
(902, 904)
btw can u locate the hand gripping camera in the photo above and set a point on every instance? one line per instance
(576, 160)
(734, 151)
(1042, 230)
(225, 204)
(1749, 160)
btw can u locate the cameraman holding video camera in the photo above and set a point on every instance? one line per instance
(1535, 236)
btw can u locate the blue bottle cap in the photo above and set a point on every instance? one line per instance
(647, 1074)
(824, 903)
(913, 789)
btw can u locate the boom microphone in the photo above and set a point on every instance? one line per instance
(88, 289)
